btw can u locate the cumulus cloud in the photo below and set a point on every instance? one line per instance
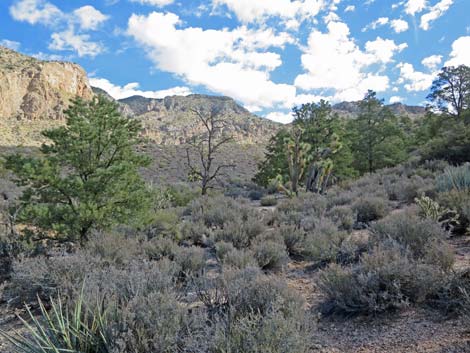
(434, 13)
(89, 18)
(413, 7)
(250, 11)
(36, 11)
(80, 43)
(382, 21)
(350, 8)
(235, 63)
(66, 36)
(132, 89)
(158, 3)
(11, 44)
(399, 25)
(432, 62)
(396, 99)
(333, 61)
(414, 80)
(280, 117)
(460, 54)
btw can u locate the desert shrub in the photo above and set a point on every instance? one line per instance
(196, 233)
(249, 290)
(386, 279)
(215, 211)
(293, 239)
(222, 248)
(370, 208)
(241, 233)
(323, 243)
(166, 223)
(158, 323)
(308, 203)
(342, 216)
(272, 332)
(268, 201)
(455, 178)
(159, 248)
(271, 255)
(192, 260)
(114, 248)
(181, 194)
(410, 231)
(405, 189)
(239, 258)
(255, 195)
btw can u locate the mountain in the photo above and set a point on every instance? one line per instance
(172, 120)
(351, 109)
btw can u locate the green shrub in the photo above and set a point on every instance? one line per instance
(197, 233)
(293, 239)
(268, 201)
(241, 233)
(455, 178)
(370, 208)
(159, 248)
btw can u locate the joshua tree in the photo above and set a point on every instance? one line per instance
(206, 146)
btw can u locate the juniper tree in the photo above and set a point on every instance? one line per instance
(87, 176)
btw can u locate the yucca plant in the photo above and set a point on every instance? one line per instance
(60, 330)
(455, 178)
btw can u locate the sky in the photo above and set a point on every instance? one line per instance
(269, 55)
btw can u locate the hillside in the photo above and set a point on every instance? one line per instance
(351, 110)
(34, 93)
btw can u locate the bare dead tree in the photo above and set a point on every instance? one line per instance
(206, 147)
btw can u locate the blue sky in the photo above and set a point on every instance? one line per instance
(269, 55)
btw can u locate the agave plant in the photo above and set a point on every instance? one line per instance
(455, 178)
(61, 330)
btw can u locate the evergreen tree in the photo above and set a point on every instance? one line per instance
(87, 177)
(377, 139)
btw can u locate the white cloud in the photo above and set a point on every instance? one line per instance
(11, 44)
(382, 21)
(158, 3)
(333, 61)
(460, 54)
(399, 25)
(432, 62)
(36, 11)
(131, 89)
(249, 11)
(235, 63)
(68, 40)
(350, 8)
(413, 7)
(414, 80)
(396, 99)
(49, 57)
(434, 13)
(89, 18)
(280, 117)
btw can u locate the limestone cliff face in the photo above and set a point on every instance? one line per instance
(172, 121)
(31, 89)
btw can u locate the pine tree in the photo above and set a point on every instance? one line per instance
(87, 176)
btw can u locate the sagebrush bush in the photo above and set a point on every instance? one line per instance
(240, 259)
(370, 208)
(405, 189)
(268, 201)
(159, 248)
(410, 231)
(241, 233)
(271, 255)
(387, 278)
(293, 239)
(324, 242)
(192, 260)
(342, 216)
(196, 233)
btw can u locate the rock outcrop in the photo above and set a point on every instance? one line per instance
(31, 89)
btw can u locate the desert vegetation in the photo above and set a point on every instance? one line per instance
(346, 219)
